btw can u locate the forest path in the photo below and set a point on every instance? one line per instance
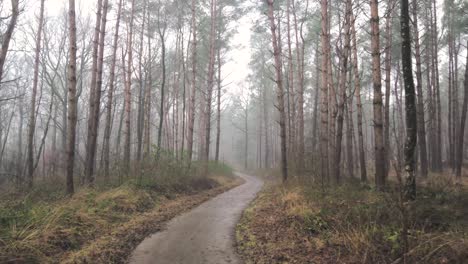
(204, 235)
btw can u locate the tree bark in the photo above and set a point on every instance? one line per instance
(266, 125)
(377, 101)
(436, 80)
(291, 87)
(350, 132)
(209, 92)
(420, 96)
(280, 90)
(357, 93)
(431, 117)
(218, 103)
(141, 87)
(388, 85)
(461, 133)
(342, 93)
(246, 136)
(162, 33)
(95, 95)
(6, 37)
(89, 162)
(193, 91)
(32, 115)
(324, 151)
(315, 127)
(300, 48)
(110, 95)
(149, 87)
(72, 98)
(410, 104)
(184, 94)
(128, 95)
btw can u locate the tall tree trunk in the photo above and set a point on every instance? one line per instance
(72, 97)
(184, 94)
(193, 91)
(176, 122)
(141, 86)
(420, 96)
(19, 171)
(95, 96)
(450, 122)
(300, 48)
(110, 95)
(162, 33)
(209, 92)
(280, 90)
(54, 142)
(246, 136)
(342, 93)
(377, 84)
(149, 87)
(128, 95)
(5, 140)
(435, 74)
(291, 87)
(432, 118)
(410, 104)
(324, 160)
(388, 85)
(333, 109)
(266, 125)
(461, 133)
(357, 92)
(315, 127)
(218, 103)
(350, 128)
(32, 115)
(89, 162)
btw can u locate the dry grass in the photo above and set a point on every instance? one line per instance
(37, 228)
(355, 224)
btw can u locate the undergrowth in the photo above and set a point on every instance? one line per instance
(368, 224)
(43, 225)
(356, 224)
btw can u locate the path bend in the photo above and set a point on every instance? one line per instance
(205, 234)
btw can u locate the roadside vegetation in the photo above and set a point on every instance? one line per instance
(354, 223)
(101, 224)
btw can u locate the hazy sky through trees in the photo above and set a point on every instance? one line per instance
(236, 69)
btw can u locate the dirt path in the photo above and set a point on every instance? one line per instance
(203, 235)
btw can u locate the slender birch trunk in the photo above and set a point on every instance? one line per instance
(357, 92)
(110, 95)
(193, 91)
(32, 115)
(128, 95)
(410, 104)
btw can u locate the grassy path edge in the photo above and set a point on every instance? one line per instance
(117, 246)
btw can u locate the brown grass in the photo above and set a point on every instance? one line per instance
(353, 224)
(97, 226)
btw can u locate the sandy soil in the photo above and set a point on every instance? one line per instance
(203, 235)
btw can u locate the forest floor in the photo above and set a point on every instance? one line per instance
(303, 223)
(98, 226)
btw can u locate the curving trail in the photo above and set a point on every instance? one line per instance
(203, 235)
